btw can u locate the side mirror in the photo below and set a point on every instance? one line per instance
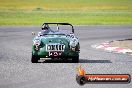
(33, 33)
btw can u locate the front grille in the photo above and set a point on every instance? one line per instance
(55, 47)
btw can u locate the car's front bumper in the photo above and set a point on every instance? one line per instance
(41, 53)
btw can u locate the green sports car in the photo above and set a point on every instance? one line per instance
(56, 41)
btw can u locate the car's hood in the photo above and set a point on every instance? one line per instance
(54, 40)
(62, 39)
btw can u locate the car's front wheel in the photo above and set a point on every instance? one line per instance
(34, 59)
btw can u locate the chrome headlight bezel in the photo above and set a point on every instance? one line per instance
(36, 42)
(73, 43)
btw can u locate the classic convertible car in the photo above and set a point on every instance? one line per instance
(56, 41)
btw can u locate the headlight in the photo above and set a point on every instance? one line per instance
(36, 42)
(73, 43)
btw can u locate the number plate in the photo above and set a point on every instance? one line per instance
(55, 47)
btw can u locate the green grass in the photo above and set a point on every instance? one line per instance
(77, 12)
(66, 4)
(74, 17)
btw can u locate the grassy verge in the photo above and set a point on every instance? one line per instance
(78, 12)
(74, 17)
(67, 4)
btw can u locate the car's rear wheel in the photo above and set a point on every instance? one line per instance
(75, 59)
(34, 59)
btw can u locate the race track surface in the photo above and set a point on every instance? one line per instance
(17, 71)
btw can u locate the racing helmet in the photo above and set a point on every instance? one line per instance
(45, 27)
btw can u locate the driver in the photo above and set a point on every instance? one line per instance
(45, 29)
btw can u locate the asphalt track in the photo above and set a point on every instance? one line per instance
(17, 71)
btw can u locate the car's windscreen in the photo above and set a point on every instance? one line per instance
(64, 29)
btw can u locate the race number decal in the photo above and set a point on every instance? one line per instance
(55, 54)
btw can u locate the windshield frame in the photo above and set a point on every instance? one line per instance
(57, 25)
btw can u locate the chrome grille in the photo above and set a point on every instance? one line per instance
(55, 47)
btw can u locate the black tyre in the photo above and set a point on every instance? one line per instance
(75, 59)
(34, 59)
